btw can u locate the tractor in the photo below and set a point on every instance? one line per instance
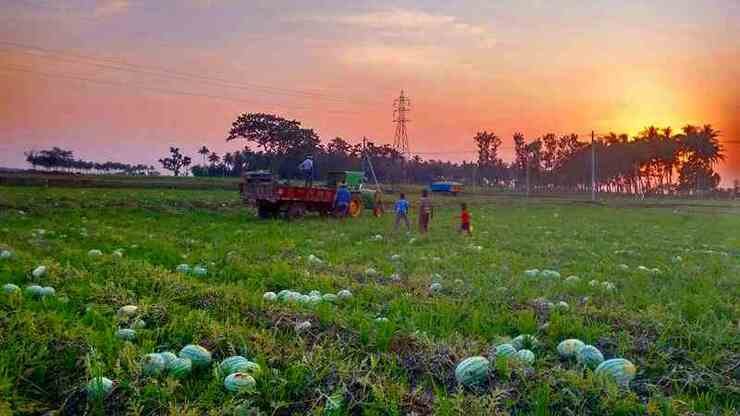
(272, 198)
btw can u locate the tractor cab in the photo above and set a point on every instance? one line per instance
(352, 178)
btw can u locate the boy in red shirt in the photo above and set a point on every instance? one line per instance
(465, 220)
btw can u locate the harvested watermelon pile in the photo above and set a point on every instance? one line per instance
(149, 302)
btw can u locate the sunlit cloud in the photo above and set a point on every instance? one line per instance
(414, 24)
(110, 8)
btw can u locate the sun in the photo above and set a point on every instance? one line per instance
(645, 103)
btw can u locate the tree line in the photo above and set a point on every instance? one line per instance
(60, 160)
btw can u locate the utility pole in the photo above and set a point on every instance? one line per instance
(526, 158)
(593, 168)
(401, 106)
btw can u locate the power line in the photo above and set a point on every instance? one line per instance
(157, 89)
(125, 66)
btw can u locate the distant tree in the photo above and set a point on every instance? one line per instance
(175, 162)
(204, 153)
(489, 164)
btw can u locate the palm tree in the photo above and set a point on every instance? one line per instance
(204, 152)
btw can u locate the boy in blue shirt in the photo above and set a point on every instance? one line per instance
(342, 200)
(402, 211)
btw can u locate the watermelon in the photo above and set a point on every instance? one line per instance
(617, 369)
(370, 272)
(532, 272)
(233, 364)
(302, 326)
(344, 294)
(139, 324)
(524, 356)
(524, 340)
(283, 294)
(314, 293)
(550, 274)
(153, 364)
(329, 297)
(183, 268)
(269, 296)
(472, 371)
(127, 311)
(39, 271)
(239, 383)
(10, 289)
(169, 358)
(504, 351)
(200, 271)
(573, 279)
(118, 252)
(623, 267)
(396, 257)
(126, 334)
(99, 388)
(570, 347)
(180, 367)
(5, 254)
(435, 287)
(48, 291)
(608, 286)
(94, 253)
(199, 356)
(589, 356)
(35, 291)
(562, 305)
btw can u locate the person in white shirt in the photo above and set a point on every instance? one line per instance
(306, 168)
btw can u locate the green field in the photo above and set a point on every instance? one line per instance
(680, 326)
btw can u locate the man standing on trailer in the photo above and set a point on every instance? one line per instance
(306, 168)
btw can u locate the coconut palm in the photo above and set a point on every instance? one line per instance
(204, 152)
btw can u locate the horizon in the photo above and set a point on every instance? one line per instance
(123, 80)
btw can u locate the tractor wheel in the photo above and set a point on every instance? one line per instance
(355, 208)
(265, 211)
(296, 211)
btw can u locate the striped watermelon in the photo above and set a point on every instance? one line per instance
(239, 382)
(99, 388)
(524, 356)
(472, 371)
(618, 369)
(48, 291)
(153, 364)
(183, 268)
(569, 347)
(329, 297)
(35, 291)
(128, 310)
(126, 334)
(233, 364)
(523, 341)
(169, 358)
(589, 356)
(10, 289)
(180, 367)
(199, 356)
(504, 351)
(199, 271)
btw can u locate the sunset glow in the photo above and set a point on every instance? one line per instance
(126, 79)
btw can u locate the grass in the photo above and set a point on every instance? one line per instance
(680, 327)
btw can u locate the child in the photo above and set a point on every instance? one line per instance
(425, 212)
(402, 211)
(378, 209)
(465, 226)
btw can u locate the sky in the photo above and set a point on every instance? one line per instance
(123, 80)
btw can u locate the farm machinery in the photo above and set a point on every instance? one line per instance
(273, 198)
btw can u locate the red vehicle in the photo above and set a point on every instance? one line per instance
(272, 198)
